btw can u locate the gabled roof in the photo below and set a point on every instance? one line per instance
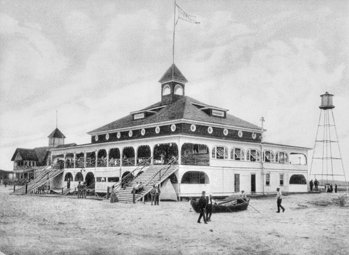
(173, 74)
(37, 154)
(56, 134)
(41, 153)
(182, 109)
(26, 154)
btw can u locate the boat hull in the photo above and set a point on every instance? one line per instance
(224, 208)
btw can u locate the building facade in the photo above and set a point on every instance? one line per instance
(215, 151)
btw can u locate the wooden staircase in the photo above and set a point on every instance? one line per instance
(44, 176)
(154, 175)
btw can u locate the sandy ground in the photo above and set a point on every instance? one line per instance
(67, 225)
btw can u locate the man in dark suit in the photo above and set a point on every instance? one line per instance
(202, 207)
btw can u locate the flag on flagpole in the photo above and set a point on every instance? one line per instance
(184, 16)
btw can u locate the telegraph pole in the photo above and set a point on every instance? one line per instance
(262, 155)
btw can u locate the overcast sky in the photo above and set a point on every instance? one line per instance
(96, 61)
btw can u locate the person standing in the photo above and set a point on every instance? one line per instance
(279, 200)
(79, 190)
(157, 195)
(311, 184)
(209, 207)
(152, 195)
(316, 183)
(202, 207)
(84, 189)
(68, 183)
(335, 188)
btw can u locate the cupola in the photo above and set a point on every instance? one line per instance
(172, 85)
(56, 138)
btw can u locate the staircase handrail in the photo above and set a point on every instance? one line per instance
(139, 167)
(41, 174)
(167, 166)
(42, 181)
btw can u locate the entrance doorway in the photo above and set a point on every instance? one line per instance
(253, 182)
(236, 182)
(90, 180)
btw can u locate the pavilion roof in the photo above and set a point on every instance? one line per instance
(183, 109)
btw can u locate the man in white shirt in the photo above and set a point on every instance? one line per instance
(279, 200)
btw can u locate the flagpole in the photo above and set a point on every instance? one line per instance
(174, 30)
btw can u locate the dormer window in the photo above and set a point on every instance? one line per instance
(218, 113)
(166, 90)
(178, 90)
(139, 116)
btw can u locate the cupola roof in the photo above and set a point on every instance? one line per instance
(173, 74)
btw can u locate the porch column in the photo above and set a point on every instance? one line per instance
(152, 155)
(136, 156)
(121, 157)
(96, 158)
(65, 160)
(74, 158)
(107, 157)
(84, 159)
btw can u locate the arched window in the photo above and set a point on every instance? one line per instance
(143, 154)
(298, 179)
(254, 155)
(114, 157)
(128, 156)
(91, 159)
(281, 157)
(237, 154)
(268, 156)
(79, 177)
(166, 90)
(68, 176)
(90, 180)
(102, 158)
(178, 90)
(195, 154)
(220, 152)
(165, 153)
(195, 177)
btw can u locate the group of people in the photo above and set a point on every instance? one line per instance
(312, 184)
(82, 190)
(138, 188)
(328, 187)
(205, 207)
(155, 195)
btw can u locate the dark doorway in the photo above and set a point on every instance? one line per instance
(253, 183)
(237, 182)
(90, 180)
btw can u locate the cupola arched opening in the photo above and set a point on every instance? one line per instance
(178, 90)
(166, 90)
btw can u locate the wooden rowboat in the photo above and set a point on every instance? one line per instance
(232, 206)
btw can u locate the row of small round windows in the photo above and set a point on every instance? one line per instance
(173, 128)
